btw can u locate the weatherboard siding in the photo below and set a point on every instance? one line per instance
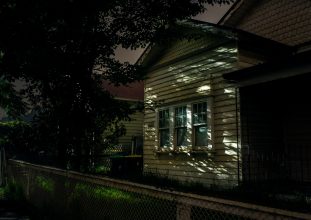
(196, 77)
(178, 49)
(133, 127)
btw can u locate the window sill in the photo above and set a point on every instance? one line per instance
(163, 152)
(209, 153)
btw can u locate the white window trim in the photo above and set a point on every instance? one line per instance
(158, 147)
(209, 126)
(190, 139)
(188, 146)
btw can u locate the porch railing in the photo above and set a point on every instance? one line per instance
(291, 164)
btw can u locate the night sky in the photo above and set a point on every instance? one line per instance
(213, 14)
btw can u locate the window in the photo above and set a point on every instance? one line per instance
(185, 127)
(164, 131)
(181, 126)
(199, 119)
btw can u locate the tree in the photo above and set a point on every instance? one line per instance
(10, 100)
(55, 46)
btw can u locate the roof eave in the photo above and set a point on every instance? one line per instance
(290, 66)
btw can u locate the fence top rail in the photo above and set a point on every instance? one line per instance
(181, 197)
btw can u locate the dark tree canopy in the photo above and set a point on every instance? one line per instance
(55, 46)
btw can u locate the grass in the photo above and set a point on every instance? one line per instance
(45, 183)
(13, 202)
(13, 192)
(2, 193)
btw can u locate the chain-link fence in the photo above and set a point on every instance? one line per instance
(59, 194)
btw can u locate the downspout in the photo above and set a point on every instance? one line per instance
(237, 131)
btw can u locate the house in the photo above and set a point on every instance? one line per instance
(287, 21)
(123, 157)
(192, 117)
(274, 96)
(133, 94)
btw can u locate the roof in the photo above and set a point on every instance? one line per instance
(244, 39)
(177, 31)
(296, 64)
(209, 28)
(131, 92)
(236, 12)
(287, 21)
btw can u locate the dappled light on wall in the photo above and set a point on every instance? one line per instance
(196, 79)
(203, 89)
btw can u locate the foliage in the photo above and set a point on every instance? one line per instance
(14, 134)
(2, 193)
(13, 191)
(63, 49)
(10, 100)
(45, 184)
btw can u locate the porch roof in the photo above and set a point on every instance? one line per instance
(292, 65)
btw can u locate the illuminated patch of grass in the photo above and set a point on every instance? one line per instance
(45, 184)
(115, 194)
(102, 169)
(103, 193)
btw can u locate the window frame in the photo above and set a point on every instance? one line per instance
(178, 127)
(160, 129)
(200, 124)
(190, 132)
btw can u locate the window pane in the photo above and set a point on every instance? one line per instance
(164, 118)
(199, 113)
(164, 138)
(201, 138)
(181, 134)
(180, 117)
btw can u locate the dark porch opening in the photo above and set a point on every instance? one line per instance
(276, 131)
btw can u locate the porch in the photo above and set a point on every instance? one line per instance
(276, 132)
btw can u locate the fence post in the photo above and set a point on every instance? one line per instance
(183, 211)
(28, 183)
(2, 167)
